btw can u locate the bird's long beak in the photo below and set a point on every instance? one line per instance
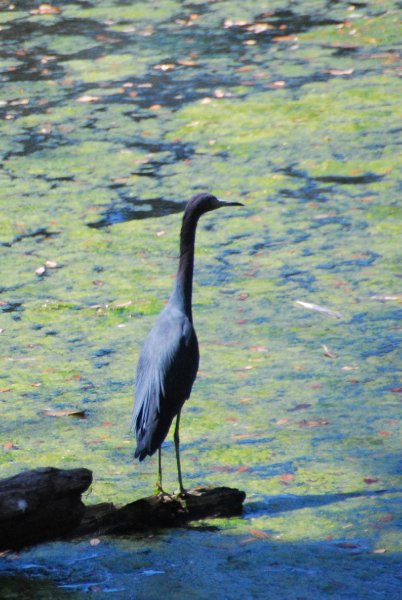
(222, 203)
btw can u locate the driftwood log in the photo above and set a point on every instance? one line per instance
(45, 504)
(40, 505)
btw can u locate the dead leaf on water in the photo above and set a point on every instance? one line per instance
(313, 423)
(328, 352)
(46, 9)
(347, 545)
(339, 72)
(64, 413)
(285, 38)
(51, 264)
(299, 407)
(370, 480)
(261, 535)
(321, 309)
(187, 62)
(88, 98)
(95, 542)
(286, 477)
(165, 67)
(394, 297)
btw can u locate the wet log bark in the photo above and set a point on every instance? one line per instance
(45, 504)
(155, 512)
(41, 505)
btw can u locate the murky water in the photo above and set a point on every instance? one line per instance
(113, 115)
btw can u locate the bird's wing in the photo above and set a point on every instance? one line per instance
(166, 370)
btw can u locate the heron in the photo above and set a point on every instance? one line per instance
(169, 358)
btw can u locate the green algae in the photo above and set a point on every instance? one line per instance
(299, 408)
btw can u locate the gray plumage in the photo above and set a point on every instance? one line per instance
(168, 362)
(166, 371)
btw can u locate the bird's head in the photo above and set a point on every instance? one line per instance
(204, 202)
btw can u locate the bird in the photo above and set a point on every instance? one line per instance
(168, 361)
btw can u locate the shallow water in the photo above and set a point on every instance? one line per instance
(114, 114)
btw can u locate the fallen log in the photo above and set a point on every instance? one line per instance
(41, 505)
(160, 511)
(45, 504)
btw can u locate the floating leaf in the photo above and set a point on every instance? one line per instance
(328, 352)
(45, 9)
(165, 67)
(386, 518)
(242, 469)
(64, 413)
(322, 309)
(88, 98)
(387, 298)
(313, 423)
(286, 477)
(10, 446)
(187, 63)
(302, 406)
(285, 38)
(95, 542)
(51, 264)
(261, 535)
(339, 72)
(278, 84)
(370, 480)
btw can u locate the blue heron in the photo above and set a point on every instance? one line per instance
(168, 362)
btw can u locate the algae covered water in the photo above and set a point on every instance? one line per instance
(113, 115)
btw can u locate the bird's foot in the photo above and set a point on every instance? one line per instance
(181, 496)
(161, 493)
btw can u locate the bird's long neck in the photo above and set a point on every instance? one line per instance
(183, 289)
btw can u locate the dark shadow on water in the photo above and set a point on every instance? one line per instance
(287, 502)
(364, 178)
(22, 587)
(138, 209)
(222, 565)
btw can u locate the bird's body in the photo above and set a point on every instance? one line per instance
(168, 362)
(166, 371)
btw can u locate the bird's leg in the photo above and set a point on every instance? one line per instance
(182, 491)
(159, 482)
(159, 489)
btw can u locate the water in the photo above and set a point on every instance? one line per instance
(114, 114)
